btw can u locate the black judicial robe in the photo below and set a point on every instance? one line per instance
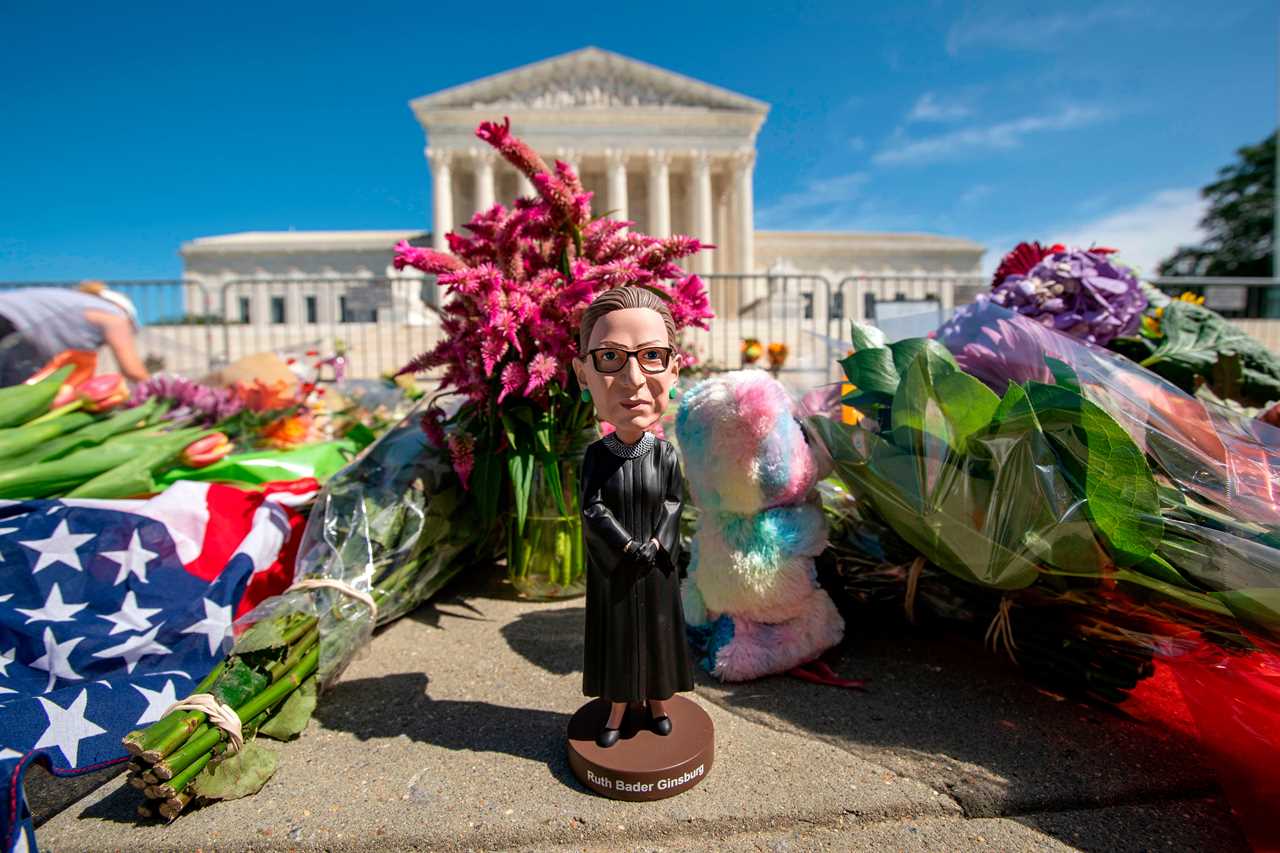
(635, 636)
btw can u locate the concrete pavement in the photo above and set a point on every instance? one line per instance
(448, 735)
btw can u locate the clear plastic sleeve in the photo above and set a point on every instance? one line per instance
(1073, 484)
(393, 525)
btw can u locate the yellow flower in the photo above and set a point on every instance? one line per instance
(1188, 296)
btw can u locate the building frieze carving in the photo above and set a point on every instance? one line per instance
(592, 90)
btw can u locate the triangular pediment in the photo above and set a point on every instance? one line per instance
(588, 79)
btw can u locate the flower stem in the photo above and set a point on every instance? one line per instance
(65, 409)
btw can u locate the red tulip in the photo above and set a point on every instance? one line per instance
(66, 394)
(206, 451)
(102, 393)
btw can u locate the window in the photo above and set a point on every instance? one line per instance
(245, 315)
(837, 306)
(313, 310)
(277, 310)
(343, 315)
(806, 299)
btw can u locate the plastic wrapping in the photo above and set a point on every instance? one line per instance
(394, 524)
(1069, 480)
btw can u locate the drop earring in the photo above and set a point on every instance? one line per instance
(586, 396)
(671, 395)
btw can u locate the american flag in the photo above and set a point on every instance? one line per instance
(112, 610)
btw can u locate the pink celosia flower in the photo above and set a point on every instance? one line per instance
(427, 260)
(433, 426)
(519, 277)
(542, 369)
(462, 453)
(513, 379)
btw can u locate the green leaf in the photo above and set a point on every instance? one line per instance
(21, 403)
(520, 468)
(241, 775)
(867, 336)
(551, 471)
(1063, 374)
(263, 634)
(905, 352)
(1101, 461)
(1195, 335)
(872, 370)
(917, 414)
(1257, 606)
(361, 435)
(968, 405)
(937, 399)
(292, 718)
(486, 484)
(238, 682)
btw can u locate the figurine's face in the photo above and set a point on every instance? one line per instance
(632, 342)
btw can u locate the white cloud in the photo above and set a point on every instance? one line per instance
(999, 136)
(1147, 232)
(929, 108)
(1035, 32)
(975, 194)
(823, 202)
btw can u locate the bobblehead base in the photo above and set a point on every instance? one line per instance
(642, 765)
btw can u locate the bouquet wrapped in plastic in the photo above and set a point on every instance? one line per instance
(1055, 474)
(386, 533)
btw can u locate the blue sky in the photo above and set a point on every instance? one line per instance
(128, 128)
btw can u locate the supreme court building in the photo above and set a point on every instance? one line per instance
(672, 154)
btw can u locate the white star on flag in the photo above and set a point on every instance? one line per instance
(6, 658)
(59, 548)
(5, 752)
(6, 597)
(55, 659)
(67, 726)
(158, 701)
(130, 617)
(215, 625)
(135, 649)
(133, 561)
(54, 610)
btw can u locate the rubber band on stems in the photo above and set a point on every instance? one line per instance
(221, 715)
(345, 588)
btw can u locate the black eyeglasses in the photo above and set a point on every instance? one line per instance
(613, 359)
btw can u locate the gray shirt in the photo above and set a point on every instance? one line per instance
(52, 318)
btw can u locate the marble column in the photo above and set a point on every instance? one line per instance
(441, 197)
(616, 168)
(743, 164)
(524, 186)
(485, 190)
(700, 203)
(659, 193)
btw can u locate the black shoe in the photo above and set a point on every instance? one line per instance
(662, 725)
(607, 737)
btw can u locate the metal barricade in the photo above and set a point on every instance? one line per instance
(378, 323)
(177, 329)
(791, 310)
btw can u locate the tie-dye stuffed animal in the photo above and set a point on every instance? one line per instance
(752, 603)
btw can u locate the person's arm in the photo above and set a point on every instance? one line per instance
(117, 331)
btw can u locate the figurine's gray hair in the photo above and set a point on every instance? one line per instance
(618, 299)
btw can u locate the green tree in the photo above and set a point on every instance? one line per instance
(1240, 222)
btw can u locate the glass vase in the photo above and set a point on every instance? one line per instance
(548, 560)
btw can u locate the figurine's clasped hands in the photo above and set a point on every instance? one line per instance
(645, 555)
